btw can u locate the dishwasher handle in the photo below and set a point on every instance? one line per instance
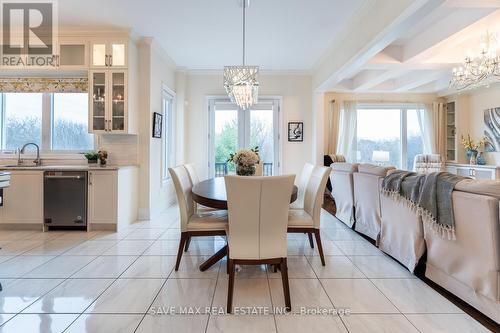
(64, 177)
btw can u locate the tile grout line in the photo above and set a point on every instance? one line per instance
(213, 296)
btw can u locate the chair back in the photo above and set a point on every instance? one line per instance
(192, 173)
(258, 216)
(182, 183)
(304, 179)
(428, 163)
(313, 197)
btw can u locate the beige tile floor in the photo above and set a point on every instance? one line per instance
(110, 282)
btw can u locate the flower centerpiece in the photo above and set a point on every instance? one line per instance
(103, 156)
(472, 148)
(245, 161)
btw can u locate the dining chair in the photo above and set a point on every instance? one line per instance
(192, 224)
(308, 220)
(257, 233)
(304, 179)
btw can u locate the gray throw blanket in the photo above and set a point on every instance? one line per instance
(428, 195)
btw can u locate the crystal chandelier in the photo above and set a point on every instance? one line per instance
(241, 82)
(480, 70)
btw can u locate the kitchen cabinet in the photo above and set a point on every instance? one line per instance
(102, 197)
(108, 102)
(109, 54)
(71, 53)
(112, 198)
(23, 202)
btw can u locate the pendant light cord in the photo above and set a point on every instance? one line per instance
(244, 26)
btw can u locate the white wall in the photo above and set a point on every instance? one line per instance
(470, 107)
(296, 92)
(156, 70)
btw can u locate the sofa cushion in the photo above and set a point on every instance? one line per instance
(345, 167)
(374, 169)
(485, 187)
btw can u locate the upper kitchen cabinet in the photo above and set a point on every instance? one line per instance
(72, 54)
(109, 102)
(109, 54)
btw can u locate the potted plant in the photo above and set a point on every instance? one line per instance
(472, 148)
(91, 157)
(245, 161)
(103, 156)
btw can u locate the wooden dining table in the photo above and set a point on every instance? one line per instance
(212, 193)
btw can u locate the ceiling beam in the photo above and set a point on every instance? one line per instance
(416, 79)
(366, 36)
(473, 3)
(366, 80)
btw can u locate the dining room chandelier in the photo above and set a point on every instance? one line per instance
(240, 82)
(480, 70)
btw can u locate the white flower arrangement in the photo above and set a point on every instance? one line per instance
(245, 157)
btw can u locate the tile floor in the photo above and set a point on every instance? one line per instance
(109, 282)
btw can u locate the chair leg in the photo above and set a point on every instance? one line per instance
(230, 287)
(188, 241)
(182, 242)
(311, 242)
(320, 246)
(286, 286)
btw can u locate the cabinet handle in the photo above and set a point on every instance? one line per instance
(58, 60)
(110, 60)
(106, 60)
(90, 178)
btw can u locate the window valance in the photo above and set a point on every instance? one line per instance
(44, 85)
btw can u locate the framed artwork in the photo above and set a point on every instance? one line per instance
(295, 131)
(492, 129)
(157, 124)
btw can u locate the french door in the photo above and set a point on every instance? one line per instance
(232, 128)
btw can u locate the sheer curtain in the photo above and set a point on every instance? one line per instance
(347, 132)
(333, 127)
(431, 118)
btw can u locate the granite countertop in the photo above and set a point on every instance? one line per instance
(84, 167)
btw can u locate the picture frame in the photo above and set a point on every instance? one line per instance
(157, 124)
(295, 131)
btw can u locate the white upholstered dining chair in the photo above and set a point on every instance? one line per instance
(191, 223)
(258, 214)
(305, 175)
(308, 220)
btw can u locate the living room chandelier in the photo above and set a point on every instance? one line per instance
(480, 70)
(241, 82)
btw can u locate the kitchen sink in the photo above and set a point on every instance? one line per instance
(18, 166)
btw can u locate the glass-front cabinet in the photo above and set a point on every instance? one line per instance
(108, 102)
(109, 54)
(451, 133)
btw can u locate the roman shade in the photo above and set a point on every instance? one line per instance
(44, 85)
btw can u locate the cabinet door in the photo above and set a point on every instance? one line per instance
(98, 121)
(99, 54)
(117, 54)
(118, 105)
(23, 199)
(72, 54)
(103, 196)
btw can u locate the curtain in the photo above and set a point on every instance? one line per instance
(333, 127)
(347, 132)
(431, 119)
(44, 85)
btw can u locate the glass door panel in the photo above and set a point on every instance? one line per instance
(118, 54)
(99, 55)
(225, 140)
(99, 101)
(72, 55)
(262, 136)
(118, 101)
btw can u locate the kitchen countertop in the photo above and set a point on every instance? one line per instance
(85, 167)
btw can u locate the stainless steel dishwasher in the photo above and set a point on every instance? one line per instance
(65, 199)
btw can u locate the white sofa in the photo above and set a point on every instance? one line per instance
(367, 185)
(469, 267)
(341, 179)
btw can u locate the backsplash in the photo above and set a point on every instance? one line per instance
(122, 149)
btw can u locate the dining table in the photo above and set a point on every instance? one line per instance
(212, 193)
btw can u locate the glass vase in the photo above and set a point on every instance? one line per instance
(245, 170)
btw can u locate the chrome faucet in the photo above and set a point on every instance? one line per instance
(37, 162)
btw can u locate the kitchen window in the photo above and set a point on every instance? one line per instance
(57, 122)
(168, 158)
(388, 135)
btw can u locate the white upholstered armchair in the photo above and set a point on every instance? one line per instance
(427, 163)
